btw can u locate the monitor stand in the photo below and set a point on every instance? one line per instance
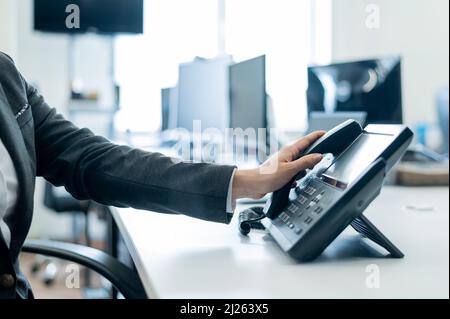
(363, 226)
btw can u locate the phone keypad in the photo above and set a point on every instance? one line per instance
(303, 212)
(310, 190)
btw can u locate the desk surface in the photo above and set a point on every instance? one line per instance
(180, 257)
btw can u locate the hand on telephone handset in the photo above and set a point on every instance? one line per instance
(277, 171)
(334, 141)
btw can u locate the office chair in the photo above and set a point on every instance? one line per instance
(61, 202)
(123, 278)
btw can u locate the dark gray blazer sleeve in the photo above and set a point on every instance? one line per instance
(90, 167)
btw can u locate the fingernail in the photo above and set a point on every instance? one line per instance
(318, 157)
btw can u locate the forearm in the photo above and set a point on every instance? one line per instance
(90, 167)
(154, 182)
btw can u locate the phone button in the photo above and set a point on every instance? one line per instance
(298, 231)
(302, 200)
(318, 210)
(310, 190)
(293, 208)
(284, 217)
(308, 220)
(311, 204)
(318, 198)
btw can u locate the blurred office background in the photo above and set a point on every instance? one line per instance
(117, 83)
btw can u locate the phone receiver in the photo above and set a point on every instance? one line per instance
(334, 141)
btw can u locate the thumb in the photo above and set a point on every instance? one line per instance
(306, 162)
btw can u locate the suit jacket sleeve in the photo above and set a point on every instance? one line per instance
(90, 167)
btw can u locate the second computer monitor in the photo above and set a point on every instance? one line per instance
(370, 86)
(248, 94)
(203, 94)
(169, 107)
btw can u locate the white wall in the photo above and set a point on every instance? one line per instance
(17, 40)
(418, 30)
(8, 39)
(43, 59)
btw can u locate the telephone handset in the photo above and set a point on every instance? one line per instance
(334, 141)
(304, 221)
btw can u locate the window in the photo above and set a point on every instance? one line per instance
(281, 30)
(176, 31)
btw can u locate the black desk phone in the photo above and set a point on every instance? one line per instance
(306, 219)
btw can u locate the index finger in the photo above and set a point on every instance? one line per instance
(306, 141)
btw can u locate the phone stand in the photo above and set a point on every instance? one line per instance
(363, 226)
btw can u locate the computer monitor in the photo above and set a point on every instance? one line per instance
(169, 106)
(248, 101)
(203, 94)
(104, 17)
(370, 86)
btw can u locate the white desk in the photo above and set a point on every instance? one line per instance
(180, 257)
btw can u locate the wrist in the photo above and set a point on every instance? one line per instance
(248, 184)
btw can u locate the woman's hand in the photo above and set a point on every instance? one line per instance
(277, 170)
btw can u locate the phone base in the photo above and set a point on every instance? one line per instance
(363, 226)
